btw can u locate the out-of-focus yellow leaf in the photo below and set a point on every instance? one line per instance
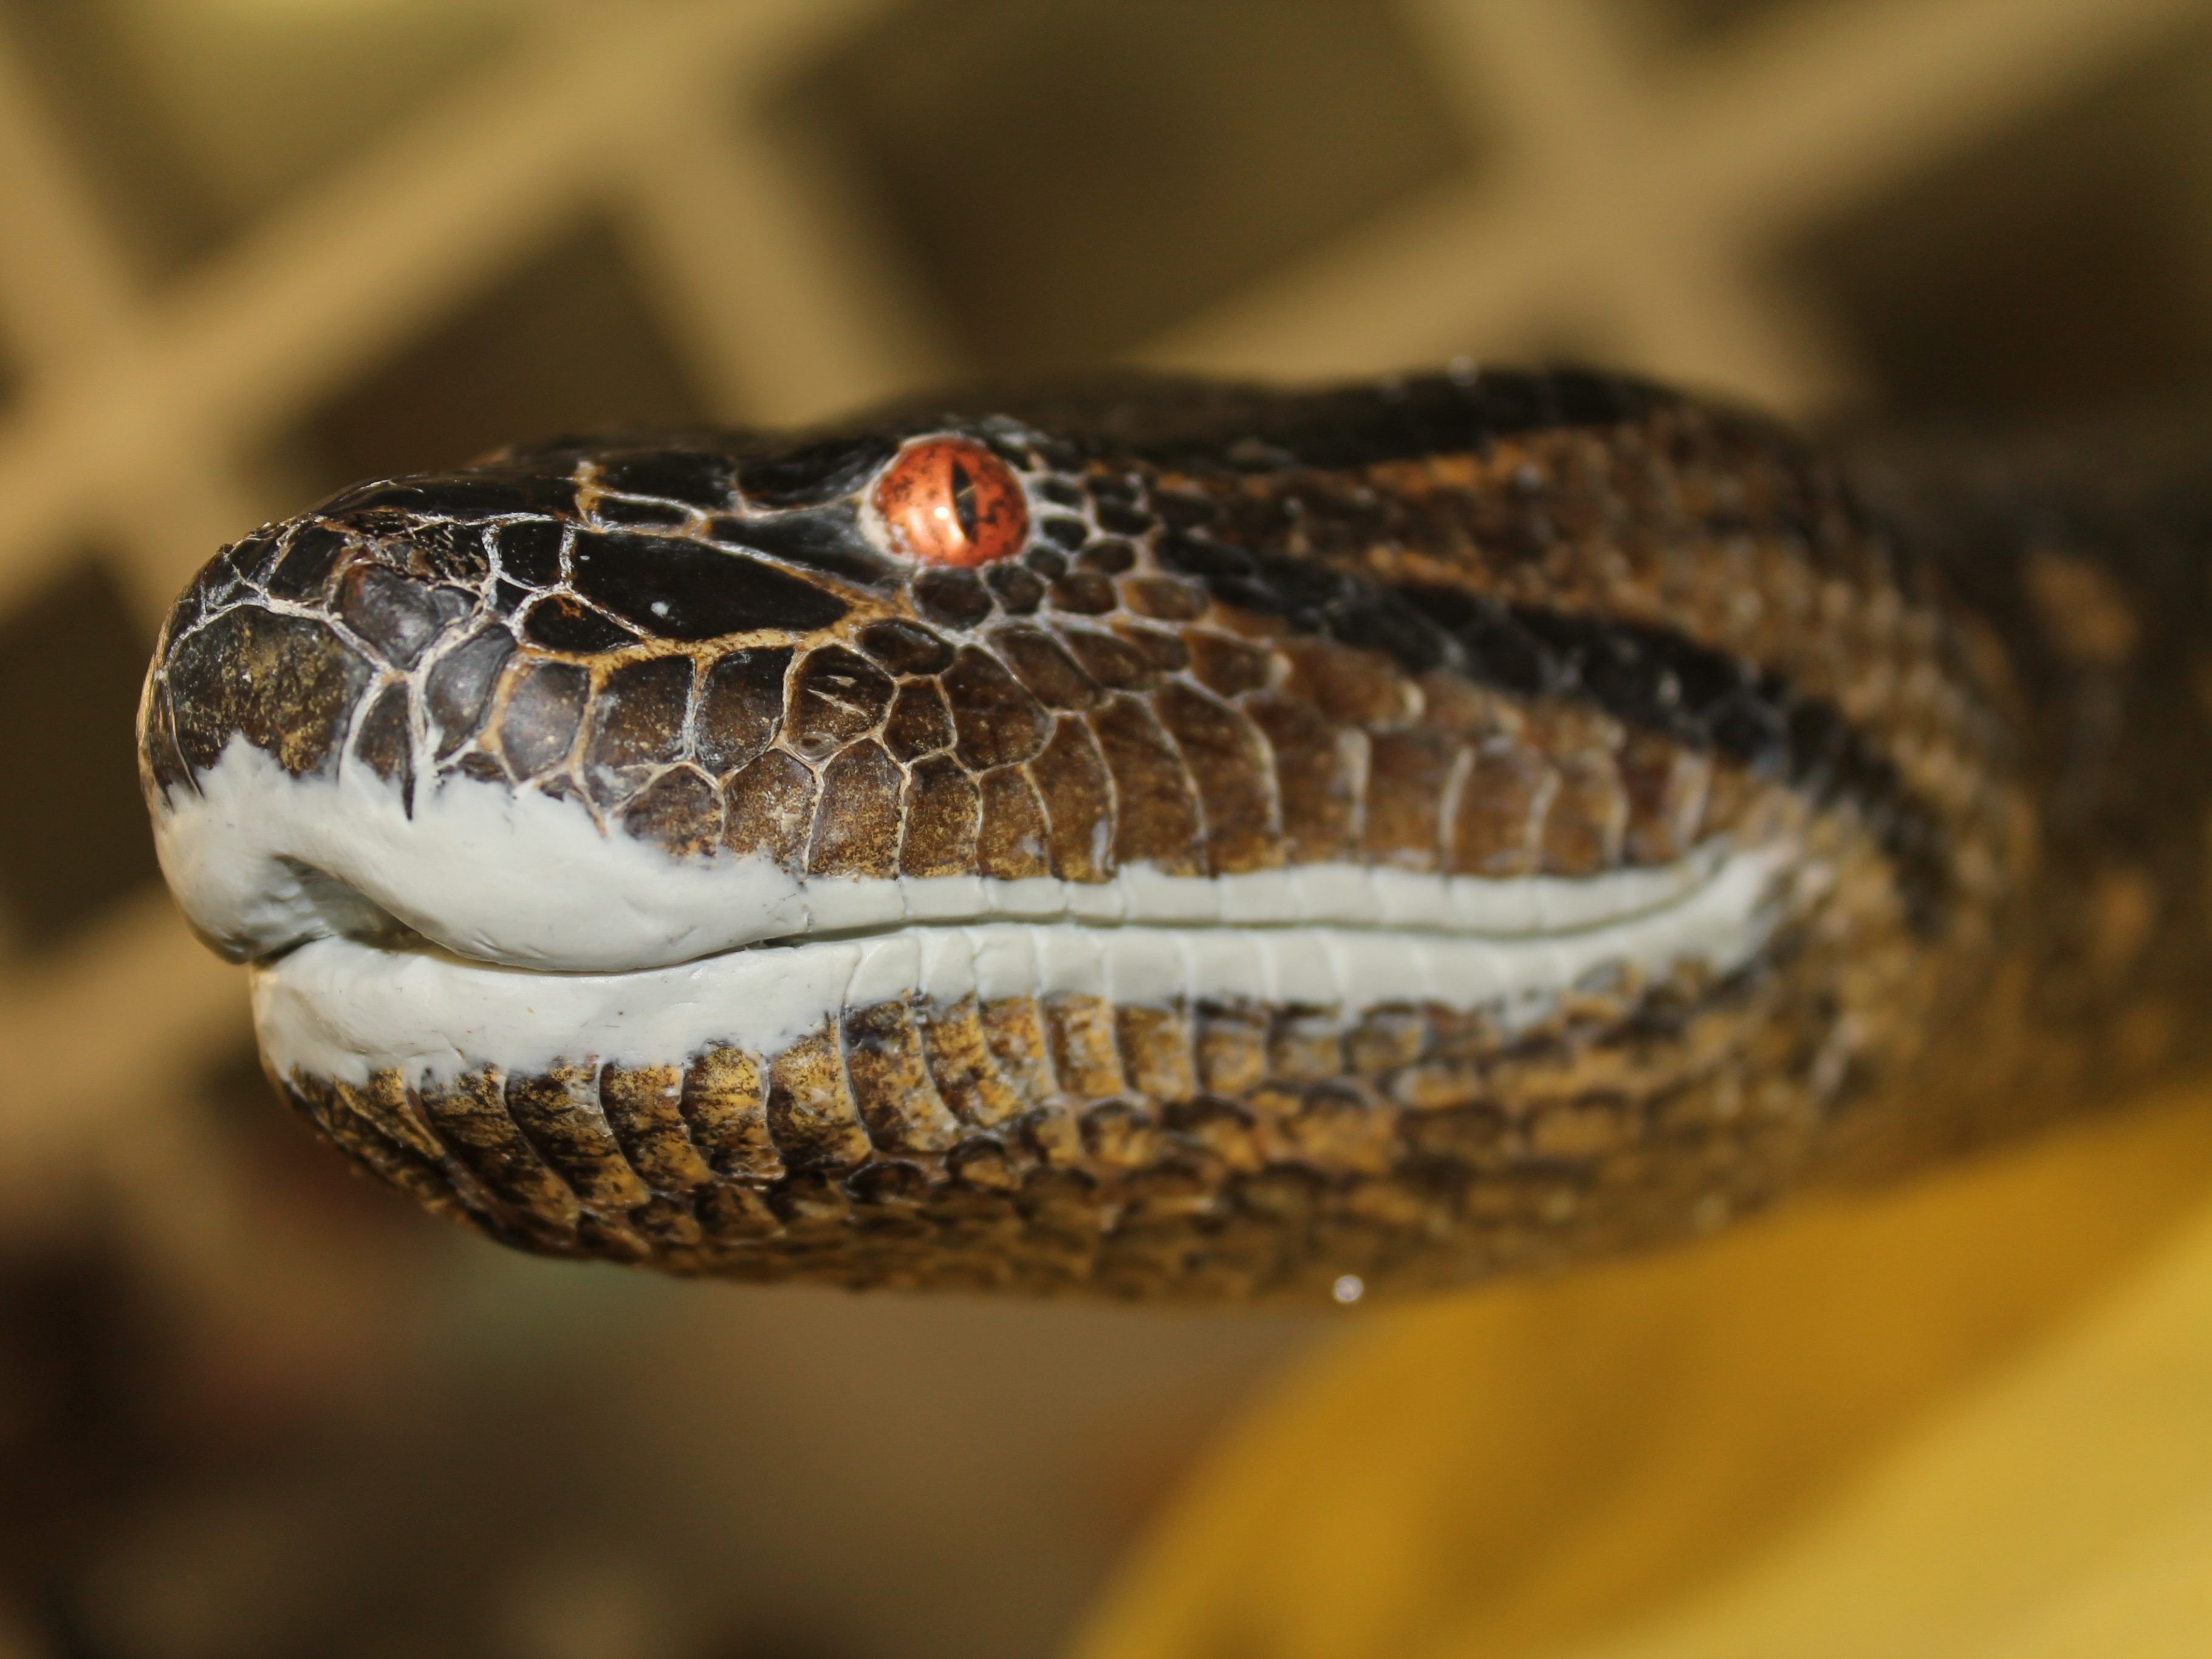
(1971, 1416)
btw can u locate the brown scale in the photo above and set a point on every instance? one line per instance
(470, 1117)
(941, 811)
(1227, 762)
(857, 817)
(1155, 806)
(1401, 816)
(723, 1103)
(1231, 1044)
(644, 1110)
(1011, 843)
(1074, 789)
(812, 1114)
(771, 804)
(559, 1112)
(958, 1048)
(890, 1079)
(1085, 1056)
(1156, 1049)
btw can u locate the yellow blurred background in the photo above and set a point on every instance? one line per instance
(253, 250)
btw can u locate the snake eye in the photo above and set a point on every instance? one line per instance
(946, 501)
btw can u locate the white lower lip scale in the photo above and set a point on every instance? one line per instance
(337, 1007)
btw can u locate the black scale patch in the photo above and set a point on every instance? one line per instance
(682, 590)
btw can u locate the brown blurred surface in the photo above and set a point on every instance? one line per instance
(254, 248)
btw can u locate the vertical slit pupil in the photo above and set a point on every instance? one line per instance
(963, 499)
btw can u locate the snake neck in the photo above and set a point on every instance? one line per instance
(2078, 568)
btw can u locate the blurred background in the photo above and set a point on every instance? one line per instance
(253, 250)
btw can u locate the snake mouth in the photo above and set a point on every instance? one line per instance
(345, 1005)
(480, 928)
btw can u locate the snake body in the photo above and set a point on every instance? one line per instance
(1174, 839)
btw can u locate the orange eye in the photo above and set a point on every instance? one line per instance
(946, 501)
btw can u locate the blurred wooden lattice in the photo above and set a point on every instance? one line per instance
(1613, 176)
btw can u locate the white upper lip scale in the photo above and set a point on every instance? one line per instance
(516, 878)
(546, 939)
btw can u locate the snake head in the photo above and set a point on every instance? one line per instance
(1166, 805)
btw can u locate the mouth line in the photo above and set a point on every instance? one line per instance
(340, 1007)
(359, 922)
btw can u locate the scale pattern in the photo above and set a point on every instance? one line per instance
(1495, 625)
